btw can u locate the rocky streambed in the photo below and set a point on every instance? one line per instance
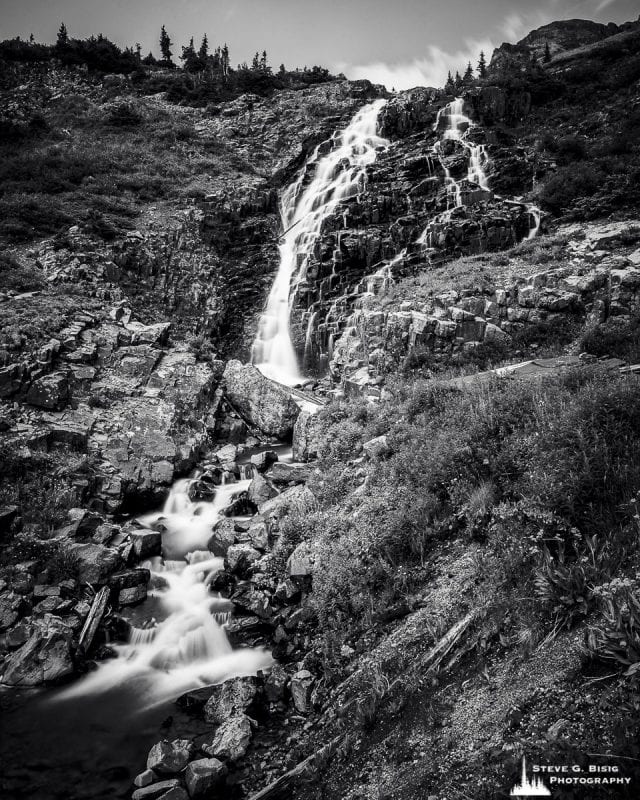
(181, 604)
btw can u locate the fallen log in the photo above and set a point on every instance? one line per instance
(281, 788)
(96, 612)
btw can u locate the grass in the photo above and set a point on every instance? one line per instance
(28, 323)
(528, 469)
(59, 178)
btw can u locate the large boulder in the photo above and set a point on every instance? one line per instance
(260, 490)
(45, 657)
(130, 587)
(203, 775)
(146, 543)
(377, 448)
(169, 758)
(298, 498)
(231, 740)
(50, 391)
(301, 562)
(301, 685)
(259, 401)
(224, 536)
(232, 697)
(156, 790)
(290, 474)
(240, 558)
(306, 437)
(95, 562)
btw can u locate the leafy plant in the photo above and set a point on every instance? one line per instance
(567, 586)
(618, 637)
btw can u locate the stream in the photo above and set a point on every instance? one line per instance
(89, 739)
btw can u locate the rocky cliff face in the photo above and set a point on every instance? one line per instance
(559, 37)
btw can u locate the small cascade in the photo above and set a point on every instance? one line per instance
(187, 646)
(536, 218)
(457, 125)
(338, 176)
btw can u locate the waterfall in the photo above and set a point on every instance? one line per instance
(338, 176)
(457, 126)
(536, 216)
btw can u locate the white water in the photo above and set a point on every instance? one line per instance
(188, 647)
(536, 215)
(457, 126)
(339, 176)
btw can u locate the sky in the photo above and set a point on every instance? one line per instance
(401, 43)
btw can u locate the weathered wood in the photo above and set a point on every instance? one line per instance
(93, 619)
(281, 788)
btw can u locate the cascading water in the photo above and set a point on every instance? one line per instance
(536, 216)
(188, 647)
(458, 124)
(339, 175)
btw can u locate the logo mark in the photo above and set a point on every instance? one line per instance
(527, 788)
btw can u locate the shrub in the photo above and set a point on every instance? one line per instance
(14, 275)
(571, 148)
(124, 115)
(616, 337)
(569, 183)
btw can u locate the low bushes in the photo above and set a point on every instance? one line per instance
(618, 336)
(14, 275)
(541, 472)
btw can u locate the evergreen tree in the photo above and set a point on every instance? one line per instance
(450, 86)
(138, 51)
(255, 63)
(31, 39)
(203, 52)
(165, 46)
(457, 83)
(547, 53)
(264, 64)
(224, 61)
(63, 36)
(482, 65)
(468, 75)
(282, 71)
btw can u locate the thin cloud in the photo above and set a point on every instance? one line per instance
(431, 70)
(605, 4)
(514, 27)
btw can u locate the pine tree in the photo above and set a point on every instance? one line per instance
(165, 46)
(255, 62)
(547, 53)
(32, 39)
(482, 65)
(63, 36)
(282, 70)
(457, 83)
(224, 60)
(203, 52)
(138, 51)
(450, 86)
(264, 64)
(468, 75)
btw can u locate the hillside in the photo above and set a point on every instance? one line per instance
(416, 564)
